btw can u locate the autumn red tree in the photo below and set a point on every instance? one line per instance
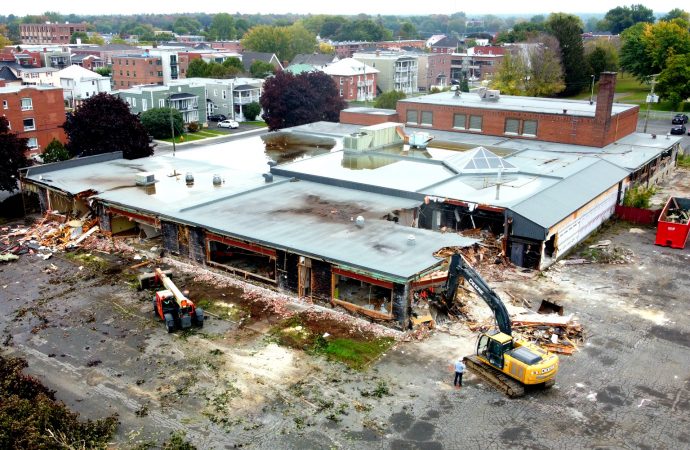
(289, 100)
(104, 124)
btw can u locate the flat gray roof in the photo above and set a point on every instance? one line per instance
(514, 103)
(307, 218)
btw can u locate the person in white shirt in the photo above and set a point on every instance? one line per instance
(459, 370)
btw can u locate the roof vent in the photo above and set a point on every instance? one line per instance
(411, 240)
(271, 163)
(217, 181)
(189, 178)
(268, 177)
(359, 221)
(144, 178)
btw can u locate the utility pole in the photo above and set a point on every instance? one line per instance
(651, 98)
(591, 94)
(172, 127)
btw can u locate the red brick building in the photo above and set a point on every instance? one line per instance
(135, 69)
(35, 113)
(227, 46)
(49, 33)
(24, 58)
(540, 119)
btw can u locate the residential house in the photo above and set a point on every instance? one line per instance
(246, 91)
(316, 60)
(57, 59)
(187, 98)
(78, 84)
(346, 49)
(24, 57)
(227, 46)
(433, 70)
(49, 33)
(478, 63)
(8, 78)
(401, 44)
(104, 52)
(35, 113)
(445, 45)
(133, 69)
(297, 69)
(249, 57)
(90, 62)
(37, 75)
(354, 79)
(397, 72)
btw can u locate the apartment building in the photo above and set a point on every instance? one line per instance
(49, 33)
(397, 72)
(79, 84)
(354, 79)
(133, 69)
(187, 98)
(35, 113)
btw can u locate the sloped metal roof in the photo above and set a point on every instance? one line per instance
(555, 203)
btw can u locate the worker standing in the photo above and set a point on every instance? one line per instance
(459, 370)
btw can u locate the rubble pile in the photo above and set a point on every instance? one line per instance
(53, 233)
(603, 252)
(280, 306)
(487, 256)
(553, 332)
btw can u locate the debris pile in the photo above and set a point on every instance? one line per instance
(558, 334)
(603, 252)
(486, 256)
(676, 213)
(52, 233)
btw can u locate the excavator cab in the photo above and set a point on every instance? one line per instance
(493, 347)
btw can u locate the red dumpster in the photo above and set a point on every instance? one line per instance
(674, 223)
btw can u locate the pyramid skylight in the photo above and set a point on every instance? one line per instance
(478, 160)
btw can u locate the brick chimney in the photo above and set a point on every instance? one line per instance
(604, 106)
(607, 87)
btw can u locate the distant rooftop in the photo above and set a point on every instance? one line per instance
(516, 103)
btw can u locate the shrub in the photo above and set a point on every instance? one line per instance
(193, 127)
(639, 196)
(54, 152)
(252, 110)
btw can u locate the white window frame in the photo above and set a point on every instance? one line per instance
(428, 114)
(32, 147)
(512, 131)
(481, 123)
(29, 106)
(416, 116)
(29, 128)
(144, 104)
(464, 121)
(161, 103)
(536, 125)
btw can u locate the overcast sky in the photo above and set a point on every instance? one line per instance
(349, 7)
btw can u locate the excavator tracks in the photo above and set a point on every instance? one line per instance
(512, 388)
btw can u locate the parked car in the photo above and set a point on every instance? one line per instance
(228, 124)
(679, 119)
(678, 129)
(217, 117)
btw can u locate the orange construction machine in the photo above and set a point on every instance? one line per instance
(171, 304)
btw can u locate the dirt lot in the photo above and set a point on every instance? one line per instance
(89, 334)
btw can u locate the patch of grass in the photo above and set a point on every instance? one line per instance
(184, 138)
(379, 391)
(258, 123)
(93, 262)
(683, 161)
(222, 309)
(355, 353)
(639, 196)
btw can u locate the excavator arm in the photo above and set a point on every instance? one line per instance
(460, 268)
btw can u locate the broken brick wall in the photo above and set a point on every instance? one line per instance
(400, 303)
(321, 277)
(197, 245)
(286, 265)
(169, 232)
(103, 218)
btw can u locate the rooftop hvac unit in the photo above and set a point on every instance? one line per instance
(144, 178)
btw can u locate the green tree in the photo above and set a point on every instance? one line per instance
(96, 39)
(268, 39)
(363, 30)
(156, 121)
(252, 110)
(602, 56)
(261, 69)
(673, 83)
(621, 18)
(545, 76)
(408, 31)
(12, 156)
(289, 100)
(301, 41)
(79, 35)
(234, 63)
(389, 100)
(646, 48)
(105, 71)
(222, 27)
(198, 68)
(511, 75)
(633, 55)
(677, 13)
(55, 151)
(186, 25)
(567, 29)
(104, 124)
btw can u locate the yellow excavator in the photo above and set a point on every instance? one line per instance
(509, 364)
